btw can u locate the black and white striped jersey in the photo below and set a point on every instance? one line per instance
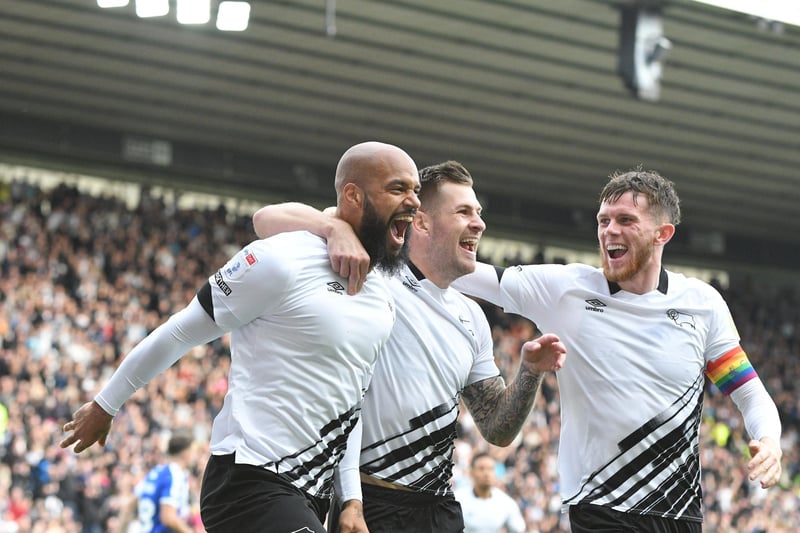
(632, 385)
(441, 342)
(302, 355)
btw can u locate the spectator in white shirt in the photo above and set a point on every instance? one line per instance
(486, 508)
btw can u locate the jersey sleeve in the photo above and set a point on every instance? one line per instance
(727, 365)
(251, 283)
(484, 365)
(530, 289)
(483, 283)
(722, 333)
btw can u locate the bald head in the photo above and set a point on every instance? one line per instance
(376, 193)
(368, 161)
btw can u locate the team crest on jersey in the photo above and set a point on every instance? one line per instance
(682, 319)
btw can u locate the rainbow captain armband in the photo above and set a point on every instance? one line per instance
(731, 371)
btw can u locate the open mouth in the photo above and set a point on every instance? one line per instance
(470, 245)
(615, 251)
(399, 226)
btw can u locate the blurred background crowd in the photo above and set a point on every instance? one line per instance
(83, 278)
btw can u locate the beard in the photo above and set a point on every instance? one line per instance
(372, 233)
(641, 254)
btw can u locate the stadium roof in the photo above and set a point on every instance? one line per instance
(525, 93)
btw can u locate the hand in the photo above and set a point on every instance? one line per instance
(544, 354)
(351, 519)
(89, 424)
(766, 461)
(349, 259)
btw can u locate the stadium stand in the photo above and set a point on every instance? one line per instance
(83, 277)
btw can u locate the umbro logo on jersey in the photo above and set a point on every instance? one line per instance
(595, 305)
(411, 284)
(335, 286)
(684, 320)
(303, 530)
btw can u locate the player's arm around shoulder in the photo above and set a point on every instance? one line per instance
(348, 257)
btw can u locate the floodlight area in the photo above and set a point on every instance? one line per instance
(230, 15)
(233, 16)
(194, 11)
(152, 8)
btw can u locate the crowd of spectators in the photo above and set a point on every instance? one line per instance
(83, 278)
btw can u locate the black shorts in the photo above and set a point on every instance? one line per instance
(587, 518)
(396, 511)
(245, 498)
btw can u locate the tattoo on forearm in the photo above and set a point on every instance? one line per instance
(500, 411)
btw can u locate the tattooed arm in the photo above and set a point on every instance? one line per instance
(500, 411)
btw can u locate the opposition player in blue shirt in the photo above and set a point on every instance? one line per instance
(162, 497)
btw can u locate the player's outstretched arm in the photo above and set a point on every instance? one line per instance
(155, 353)
(89, 424)
(483, 283)
(500, 411)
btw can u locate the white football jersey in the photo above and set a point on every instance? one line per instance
(302, 355)
(489, 515)
(634, 378)
(440, 344)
